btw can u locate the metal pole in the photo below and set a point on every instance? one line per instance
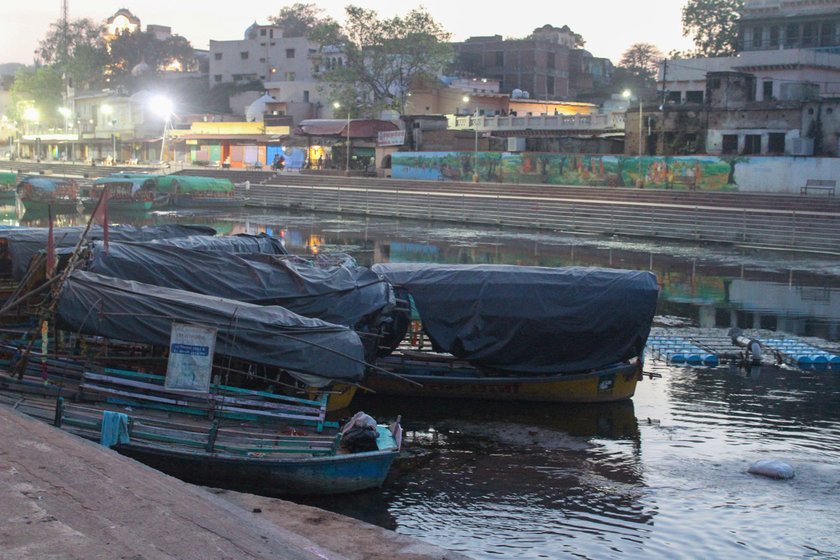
(347, 161)
(641, 181)
(475, 151)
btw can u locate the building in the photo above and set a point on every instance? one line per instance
(782, 43)
(548, 64)
(123, 21)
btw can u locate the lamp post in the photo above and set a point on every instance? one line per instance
(475, 177)
(337, 105)
(108, 111)
(162, 107)
(628, 94)
(65, 112)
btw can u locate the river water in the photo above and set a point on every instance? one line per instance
(661, 476)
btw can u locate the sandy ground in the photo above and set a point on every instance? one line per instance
(62, 497)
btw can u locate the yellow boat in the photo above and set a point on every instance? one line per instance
(429, 374)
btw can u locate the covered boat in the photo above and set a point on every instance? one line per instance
(187, 191)
(525, 333)
(127, 192)
(337, 291)
(39, 193)
(8, 182)
(311, 351)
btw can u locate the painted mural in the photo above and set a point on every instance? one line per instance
(702, 173)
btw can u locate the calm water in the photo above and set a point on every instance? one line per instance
(663, 476)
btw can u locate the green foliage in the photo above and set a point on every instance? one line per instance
(712, 25)
(383, 57)
(76, 51)
(39, 88)
(299, 20)
(131, 49)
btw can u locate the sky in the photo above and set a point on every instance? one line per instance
(607, 26)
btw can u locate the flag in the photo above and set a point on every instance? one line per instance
(100, 214)
(50, 246)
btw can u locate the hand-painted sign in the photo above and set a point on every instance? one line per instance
(390, 138)
(190, 365)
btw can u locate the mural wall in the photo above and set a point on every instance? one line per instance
(707, 173)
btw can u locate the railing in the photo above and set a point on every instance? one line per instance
(599, 121)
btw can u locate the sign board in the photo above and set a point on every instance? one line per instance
(391, 138)
(190, 365)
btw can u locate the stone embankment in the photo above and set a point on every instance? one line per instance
(64, 497)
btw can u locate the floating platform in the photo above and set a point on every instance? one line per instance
(678, 350)
(802, 354)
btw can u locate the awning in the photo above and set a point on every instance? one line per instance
(359, 128)
(229, 137)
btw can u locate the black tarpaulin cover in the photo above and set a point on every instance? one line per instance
(530, 319)
(26, 242)
(345, 294)
(314, 351)
(240, 243)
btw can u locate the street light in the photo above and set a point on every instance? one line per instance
(466, 99)
(162, 107)
(65, 112)
(337, 105)
(108, 111)
(628, 94)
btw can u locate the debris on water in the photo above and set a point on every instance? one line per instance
(778, 470)
(671, 321)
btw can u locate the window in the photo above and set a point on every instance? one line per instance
(262, 32)
(828, 36)
(217, 78)
(757, 36)
(262, 60)
(792, 35)
(290, 53)
(774, 36)
(217, 56)
(730, 144)
(306, 96)
(767, 90)
(752, 144)
(776, 143)
(243, 55)
(694, 97)
(809, 35)
(290, 76)
(500, 58)
(549, 86)
(673, 96)
(714, 83)
(551, 60)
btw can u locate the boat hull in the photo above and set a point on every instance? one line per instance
(180, 201)
(58, 207)
(337, 474)
(609, 384)
(121, 205)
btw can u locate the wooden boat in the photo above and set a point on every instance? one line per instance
(234, 439)
(126, 192)
(8, 192)
(443, 376)
(40, 193)
(186, 191)
(493, 332)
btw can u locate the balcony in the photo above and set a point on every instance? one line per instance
(607, 122)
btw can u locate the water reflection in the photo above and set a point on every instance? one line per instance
(663, 476)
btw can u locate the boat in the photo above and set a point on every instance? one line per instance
(187, 191)
(37, 194)
(8, 192)
(127, 192)
(226, 438)
(498, 332)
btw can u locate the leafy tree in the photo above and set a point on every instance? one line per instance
(299, 20)
(76, 50)
(128, 50)
(712, 25)
(382, 57)
(39, 88)
(642, 60)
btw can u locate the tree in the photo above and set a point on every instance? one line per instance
(128, 50)
(642, 60)
(39, 88)
(712, 25)
(76, 50)
(382, 57)
(299, 20)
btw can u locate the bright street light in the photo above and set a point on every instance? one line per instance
(628, 94)
(31, 114)
(162, 107)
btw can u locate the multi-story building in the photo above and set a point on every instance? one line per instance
(548, 64)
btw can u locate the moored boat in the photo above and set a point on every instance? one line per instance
(571, 335)
(8, 182)
(40, 193)
(186, 191)
(127, 192)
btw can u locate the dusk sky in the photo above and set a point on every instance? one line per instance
(608, 26)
